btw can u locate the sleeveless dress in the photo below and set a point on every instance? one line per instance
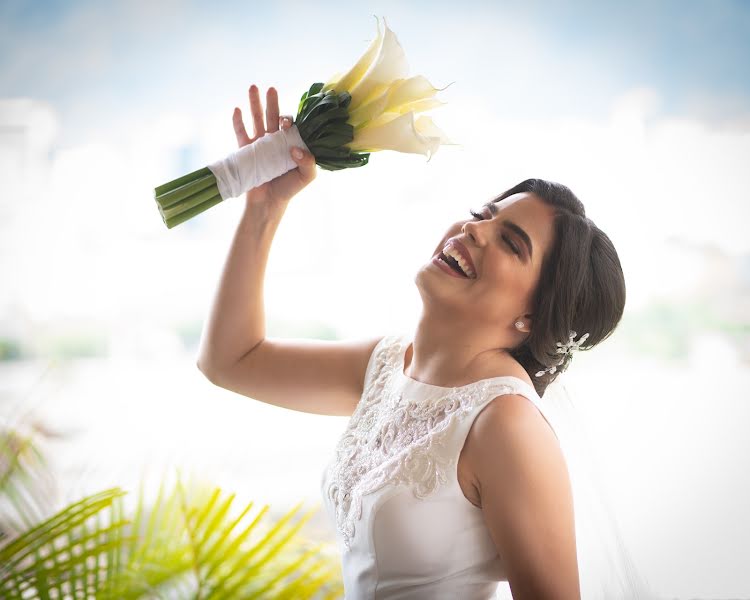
(403, 525)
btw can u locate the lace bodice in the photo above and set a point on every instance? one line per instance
(396, 463)
(391, 439)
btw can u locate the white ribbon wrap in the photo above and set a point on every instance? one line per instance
(255, 164)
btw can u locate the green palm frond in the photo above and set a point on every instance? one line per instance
(192, 544)
(25, 478)
(63, 553)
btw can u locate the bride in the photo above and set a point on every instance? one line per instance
(452, 474)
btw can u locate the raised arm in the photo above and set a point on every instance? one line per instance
(307, 375)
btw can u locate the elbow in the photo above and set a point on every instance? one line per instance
(212, 366)
(208, 371)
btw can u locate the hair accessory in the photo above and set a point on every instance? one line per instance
(519, 324)
(565, 349)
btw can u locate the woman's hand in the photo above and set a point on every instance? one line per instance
(281, 189)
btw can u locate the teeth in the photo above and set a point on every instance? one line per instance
(452, 252)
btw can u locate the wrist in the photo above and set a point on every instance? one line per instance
(261, 217)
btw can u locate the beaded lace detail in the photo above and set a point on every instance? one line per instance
(391, 439)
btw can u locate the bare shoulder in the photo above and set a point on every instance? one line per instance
(510, 427)
(521, 475)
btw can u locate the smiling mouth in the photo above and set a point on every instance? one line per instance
(453, 264)
(457, 257)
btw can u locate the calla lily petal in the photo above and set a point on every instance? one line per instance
(402, 96)
(344, 83)
(399, 134)
(410, 90)
(377, 122)
(419, 106)
(427, 127)
(389, 65)
(332, 81)
(415, 107)
(372, 109)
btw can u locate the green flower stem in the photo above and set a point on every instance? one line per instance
(187, 203)
(191, 212)
(175, 183)
(188, 190)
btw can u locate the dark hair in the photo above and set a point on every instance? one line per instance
(581, 285)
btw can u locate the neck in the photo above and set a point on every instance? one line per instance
(449, 353)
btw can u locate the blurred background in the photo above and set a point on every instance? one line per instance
(641, 108)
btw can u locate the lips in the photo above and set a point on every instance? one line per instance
(464, 252)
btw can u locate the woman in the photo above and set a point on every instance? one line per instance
(449, 476)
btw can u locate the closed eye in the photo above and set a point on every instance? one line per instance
(512, 246)
(480, 217)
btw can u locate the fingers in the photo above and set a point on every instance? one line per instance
(305, 162)
(272, 110)
(274, 122)
(239, 128)
(257, 112)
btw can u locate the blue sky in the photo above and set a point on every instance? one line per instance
(569, 58)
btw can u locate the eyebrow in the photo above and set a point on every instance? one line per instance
(513, 227)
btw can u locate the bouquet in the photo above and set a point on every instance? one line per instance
(371, 107)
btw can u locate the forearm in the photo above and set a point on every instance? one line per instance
(236, 323)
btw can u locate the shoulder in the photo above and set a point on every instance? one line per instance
(525, 493)
(510, 414)
(511, 442)
(387, 348)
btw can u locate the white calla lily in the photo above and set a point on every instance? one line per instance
(385, 101)
(410, 90)
(426, 126)
(401, 133)
(382, 63)
(401, 96)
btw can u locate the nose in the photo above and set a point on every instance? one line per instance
(472, 231)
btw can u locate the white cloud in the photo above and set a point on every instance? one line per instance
(644, 178)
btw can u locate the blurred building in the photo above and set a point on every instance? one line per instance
(28, 129)
(706, 304)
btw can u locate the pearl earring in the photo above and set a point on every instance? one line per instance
(519, 324)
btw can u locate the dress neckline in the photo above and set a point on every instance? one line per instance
(409, 381)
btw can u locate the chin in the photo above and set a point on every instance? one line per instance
(423, 281)
(419, 277)
(433, 289)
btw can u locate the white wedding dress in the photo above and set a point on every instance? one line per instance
(403, 525)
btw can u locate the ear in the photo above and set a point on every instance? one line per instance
(522, 324)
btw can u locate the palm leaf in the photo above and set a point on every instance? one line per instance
(25, 478)
(193, 545)
(56, 555)
(191, 542)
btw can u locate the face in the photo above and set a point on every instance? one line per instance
(502, 249)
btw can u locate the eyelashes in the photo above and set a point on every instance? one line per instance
(513, 247)
(506, 239)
